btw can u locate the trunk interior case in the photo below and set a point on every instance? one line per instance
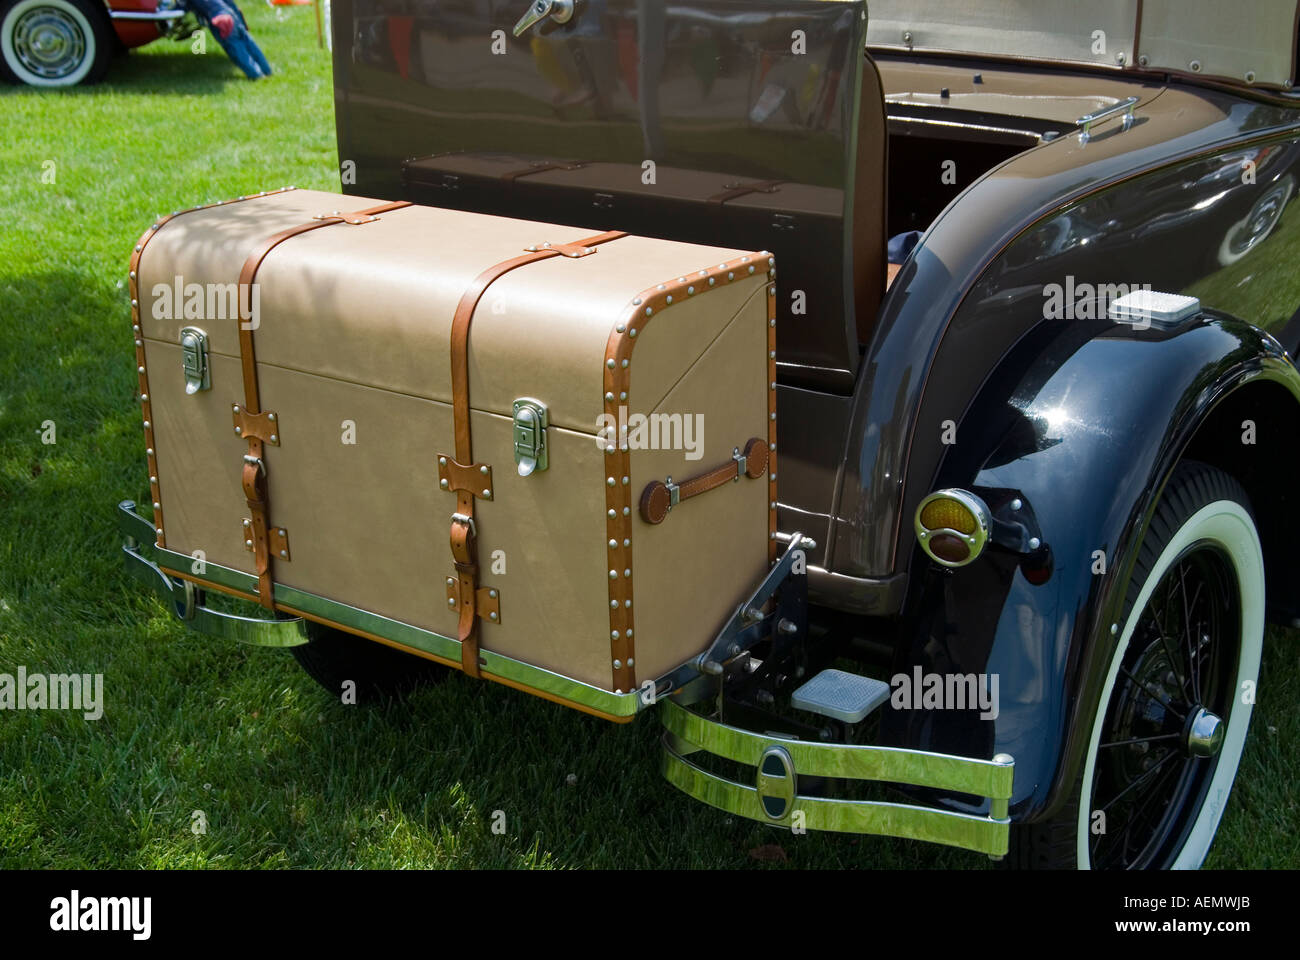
(353, 332)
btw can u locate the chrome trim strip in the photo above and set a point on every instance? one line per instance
(143, 15)
(1014, 135)
(136, 527)
(964, 830)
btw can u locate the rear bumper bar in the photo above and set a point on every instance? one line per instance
(773, 796)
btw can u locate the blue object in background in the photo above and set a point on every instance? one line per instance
(900, 245)
(240, 46)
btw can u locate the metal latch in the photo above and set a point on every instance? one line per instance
(194, 359)
(531, 421)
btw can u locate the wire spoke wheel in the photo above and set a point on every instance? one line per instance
(1167, 714)
(1166, 734)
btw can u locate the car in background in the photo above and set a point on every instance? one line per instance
(61, 43)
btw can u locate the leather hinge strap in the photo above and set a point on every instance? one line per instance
(460, 473)
(259, 427)
(659, 497)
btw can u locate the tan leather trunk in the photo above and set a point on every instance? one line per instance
(353, 432)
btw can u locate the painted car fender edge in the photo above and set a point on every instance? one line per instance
(1085, 424)
(954, 309)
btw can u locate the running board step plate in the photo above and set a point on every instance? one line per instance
(840, 695)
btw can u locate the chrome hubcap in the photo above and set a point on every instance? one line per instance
(49, 42)
(1204, 734)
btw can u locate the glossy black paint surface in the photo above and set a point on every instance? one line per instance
(1083, 423)
(717, 122)
(976, 285)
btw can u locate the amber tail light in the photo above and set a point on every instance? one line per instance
(953, 527)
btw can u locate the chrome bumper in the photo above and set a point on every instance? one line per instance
(183, 596)
(773, 796)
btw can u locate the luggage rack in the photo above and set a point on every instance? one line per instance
(183, 592)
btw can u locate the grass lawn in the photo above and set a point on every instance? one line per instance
(286, 776)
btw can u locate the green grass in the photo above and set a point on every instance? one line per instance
(286, 776)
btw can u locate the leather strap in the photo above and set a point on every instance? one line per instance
(254, 472)
(464, 535)
(657, 498)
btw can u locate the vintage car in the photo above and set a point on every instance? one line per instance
(1014, 285)
(60, 43)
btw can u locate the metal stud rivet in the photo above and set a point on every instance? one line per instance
(610, 363)
(483, 470)
(618, 664)
(451, 601)
(492, 615)
(630, 661)
(632, 332)
(610, 481)
(274, 438)
(613, 604)
(444, 484)
(613, 574)
(284, 553)
(613, 544)
(487, 493)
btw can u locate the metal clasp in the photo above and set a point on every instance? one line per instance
(194, 360)
(674, 493)
(742, 462)
(531, 420)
